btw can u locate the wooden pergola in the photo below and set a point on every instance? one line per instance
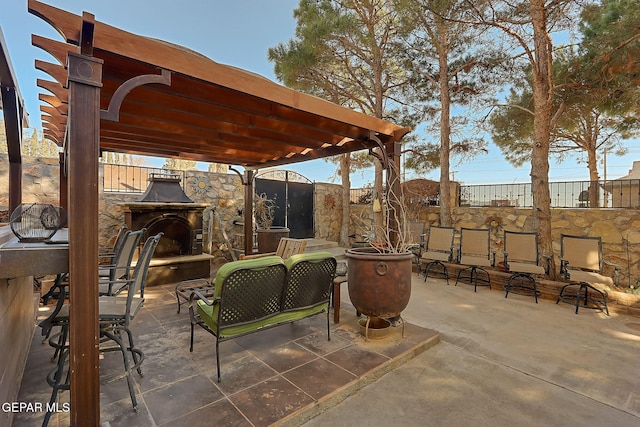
(116, 91)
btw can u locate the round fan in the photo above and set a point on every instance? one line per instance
(35, 222)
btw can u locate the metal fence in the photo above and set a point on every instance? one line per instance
(131, 179)
(569, 194)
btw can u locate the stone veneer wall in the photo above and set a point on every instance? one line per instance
(40, 180)
(619, 228)
(328, 211)
(222, 192)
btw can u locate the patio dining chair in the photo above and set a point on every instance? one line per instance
(106, 254)
(111, 275)
(475, 253)
(521, 260)
(115, 314)
(581, 263)
(438, 249)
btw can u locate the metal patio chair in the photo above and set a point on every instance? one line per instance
(521, 260)
(438, 249)
(475, 253)
(115, 314)
(111, 275)
(581, 262)
(106, 254)
(415, 235)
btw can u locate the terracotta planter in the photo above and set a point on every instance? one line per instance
(268, 238)
(379, 282)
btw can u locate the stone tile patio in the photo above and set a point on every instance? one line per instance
(284, 375)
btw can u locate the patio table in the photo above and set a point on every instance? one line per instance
(185, 288)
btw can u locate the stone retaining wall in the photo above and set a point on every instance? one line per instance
(619, 228)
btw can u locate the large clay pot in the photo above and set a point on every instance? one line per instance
(269, 238)
(379, 282)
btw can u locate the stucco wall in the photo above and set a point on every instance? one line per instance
(17, 315)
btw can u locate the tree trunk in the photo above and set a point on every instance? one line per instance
(542, 98)
(445, 126)
(594, 177)
(345, 162)
(378, 111)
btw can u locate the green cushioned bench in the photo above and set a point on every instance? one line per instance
(253, 295)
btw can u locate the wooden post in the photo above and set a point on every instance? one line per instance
(13, 129)
(83, 140)
(64, 184)
(248, 211)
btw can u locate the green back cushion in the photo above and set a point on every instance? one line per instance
(309, 280)
(249, 290)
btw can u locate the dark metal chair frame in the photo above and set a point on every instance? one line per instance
(110, 275)
(114, 323)
(473, 256)
(109, 253)
(415, 241)
(581, 293)
(521, 258)
(250, 295)
(437, 252)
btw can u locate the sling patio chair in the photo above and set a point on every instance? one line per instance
(115, 314)
(581, 263)
(475, 253)
(438, 249)
(106, 254)
(112, 274)
(521, 260)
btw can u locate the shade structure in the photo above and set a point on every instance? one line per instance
(162, 99)
(117, 91)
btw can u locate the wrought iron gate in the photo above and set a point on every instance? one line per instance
(293, 194)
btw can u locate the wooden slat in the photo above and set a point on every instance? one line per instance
(58, 72)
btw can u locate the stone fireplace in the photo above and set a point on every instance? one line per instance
(181, 224)
(165, 208)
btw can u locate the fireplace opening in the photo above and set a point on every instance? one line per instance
(177, 238)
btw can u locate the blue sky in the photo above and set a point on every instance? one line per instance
(239, 33)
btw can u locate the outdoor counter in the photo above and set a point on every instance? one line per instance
(19, 262)
(19, 259)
